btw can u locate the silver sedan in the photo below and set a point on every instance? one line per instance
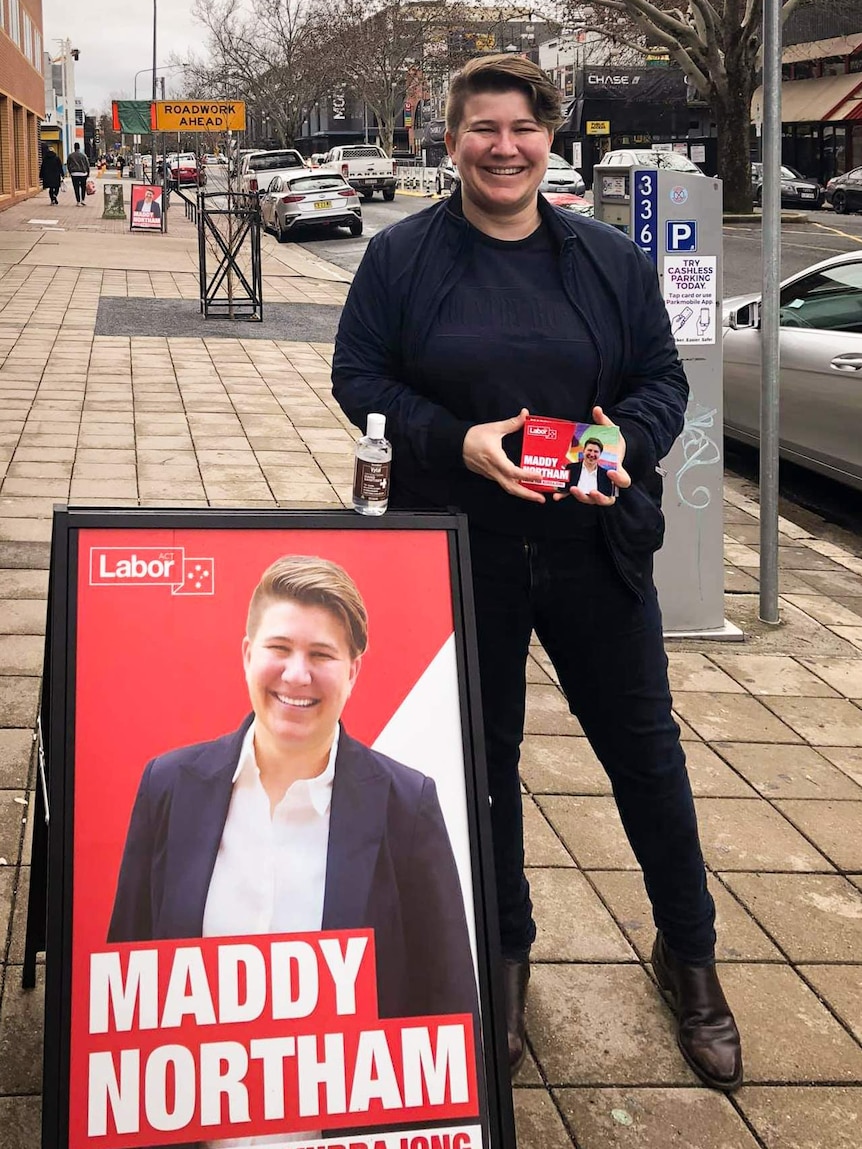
(820, 403)
(321, 198)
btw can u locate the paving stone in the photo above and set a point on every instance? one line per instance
(653, 1119)
(19, 701)
(742, 834)
(29, 556)
(13, 812)
(538, 1125)
(823, 610)
(542, 847)
(848, 760)
(712, 778)
(7, 898)
(790, 771)
(602, 1025)
(690, 671)
(572, 923)
(535, 673)
(723, 717)
(804, 559)
(21, 1024)
(843, 674)
(739, 938)
(796, 1117)
(23, 616)
(591, 830)
(835, 582)
(548, 712)
(813, 917)
(821, 721)
(21, 654)
(15, 750)
(841, 987)
(20, 1122)
(787, 1034)
(772, 674)
(561, 764)
(834, 827)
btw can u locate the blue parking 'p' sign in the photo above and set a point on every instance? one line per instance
(681, 235)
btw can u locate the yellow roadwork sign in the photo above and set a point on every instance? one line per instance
(200, 115)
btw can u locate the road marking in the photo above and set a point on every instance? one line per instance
(837, 231)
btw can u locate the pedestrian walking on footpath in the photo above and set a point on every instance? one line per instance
(78, 167)
(51, 173)
(461, 320)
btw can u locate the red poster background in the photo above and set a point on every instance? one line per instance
(156, 671)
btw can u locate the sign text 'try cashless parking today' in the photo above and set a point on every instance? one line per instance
(199, 116)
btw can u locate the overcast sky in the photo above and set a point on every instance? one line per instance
(115, 40)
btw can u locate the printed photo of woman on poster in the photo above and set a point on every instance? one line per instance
(290, 825)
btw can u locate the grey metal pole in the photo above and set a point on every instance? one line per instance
(769, 389)
(155, 82)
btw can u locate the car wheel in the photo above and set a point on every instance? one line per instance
(389, 194)
(280, 233)
(367, 195)
(356, 227)
(758, 197)
(438, 187)
(839, 202)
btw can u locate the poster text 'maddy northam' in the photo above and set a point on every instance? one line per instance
(210, 1036)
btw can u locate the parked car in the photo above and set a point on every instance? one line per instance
(820, 333)
(796, 189)
(236, 164)
(446, 177)
(561, 177)
(650, 158)
(570, 202)
(185, 171)
(258, 168)
(845, 192)
(366, 167)
(316, 159)
(321, 198)
(215, 160)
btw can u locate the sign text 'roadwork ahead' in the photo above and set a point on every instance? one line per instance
(200, 116)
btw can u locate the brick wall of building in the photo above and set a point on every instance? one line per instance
(22, 99)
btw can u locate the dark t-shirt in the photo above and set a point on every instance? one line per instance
(506, 337)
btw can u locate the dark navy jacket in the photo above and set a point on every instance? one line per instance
(389, 867)
(407, 271)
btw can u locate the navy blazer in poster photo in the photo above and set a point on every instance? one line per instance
(604, 484)
(389, 867)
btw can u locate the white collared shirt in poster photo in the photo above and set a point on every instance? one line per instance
(588, 480)
(270, 872)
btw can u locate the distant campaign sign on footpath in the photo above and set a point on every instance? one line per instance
(268, 895)
(199, 115)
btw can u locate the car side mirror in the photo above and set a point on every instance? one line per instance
(745, 318)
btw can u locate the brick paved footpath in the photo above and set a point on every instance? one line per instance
(772, 727)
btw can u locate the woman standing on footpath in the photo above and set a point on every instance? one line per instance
(51, 173)
(461, 319)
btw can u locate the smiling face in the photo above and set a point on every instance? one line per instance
(501, 152)
(592, 454)
(300, 671)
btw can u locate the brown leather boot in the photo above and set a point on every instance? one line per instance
(516, 975)
(706, 1031)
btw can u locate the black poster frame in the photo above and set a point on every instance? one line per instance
(59, 728)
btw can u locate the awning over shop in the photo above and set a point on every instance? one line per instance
(820, 49)
(809, 101)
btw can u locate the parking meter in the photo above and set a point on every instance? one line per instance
(675, 217)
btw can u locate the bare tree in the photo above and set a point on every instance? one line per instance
(383, 49)
(268, 53)
(717, 44)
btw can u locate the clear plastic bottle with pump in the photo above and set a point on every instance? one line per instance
(373, 461)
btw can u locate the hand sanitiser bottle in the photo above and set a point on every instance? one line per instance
(373, 457)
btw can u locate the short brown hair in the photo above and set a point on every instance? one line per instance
(312, 581)
(502, 72)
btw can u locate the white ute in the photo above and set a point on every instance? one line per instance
(366, 167)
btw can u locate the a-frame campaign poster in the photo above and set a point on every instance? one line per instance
(270, 908)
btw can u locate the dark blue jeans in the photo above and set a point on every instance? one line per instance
(608, 652)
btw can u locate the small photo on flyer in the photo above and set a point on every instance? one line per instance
(593, 452)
